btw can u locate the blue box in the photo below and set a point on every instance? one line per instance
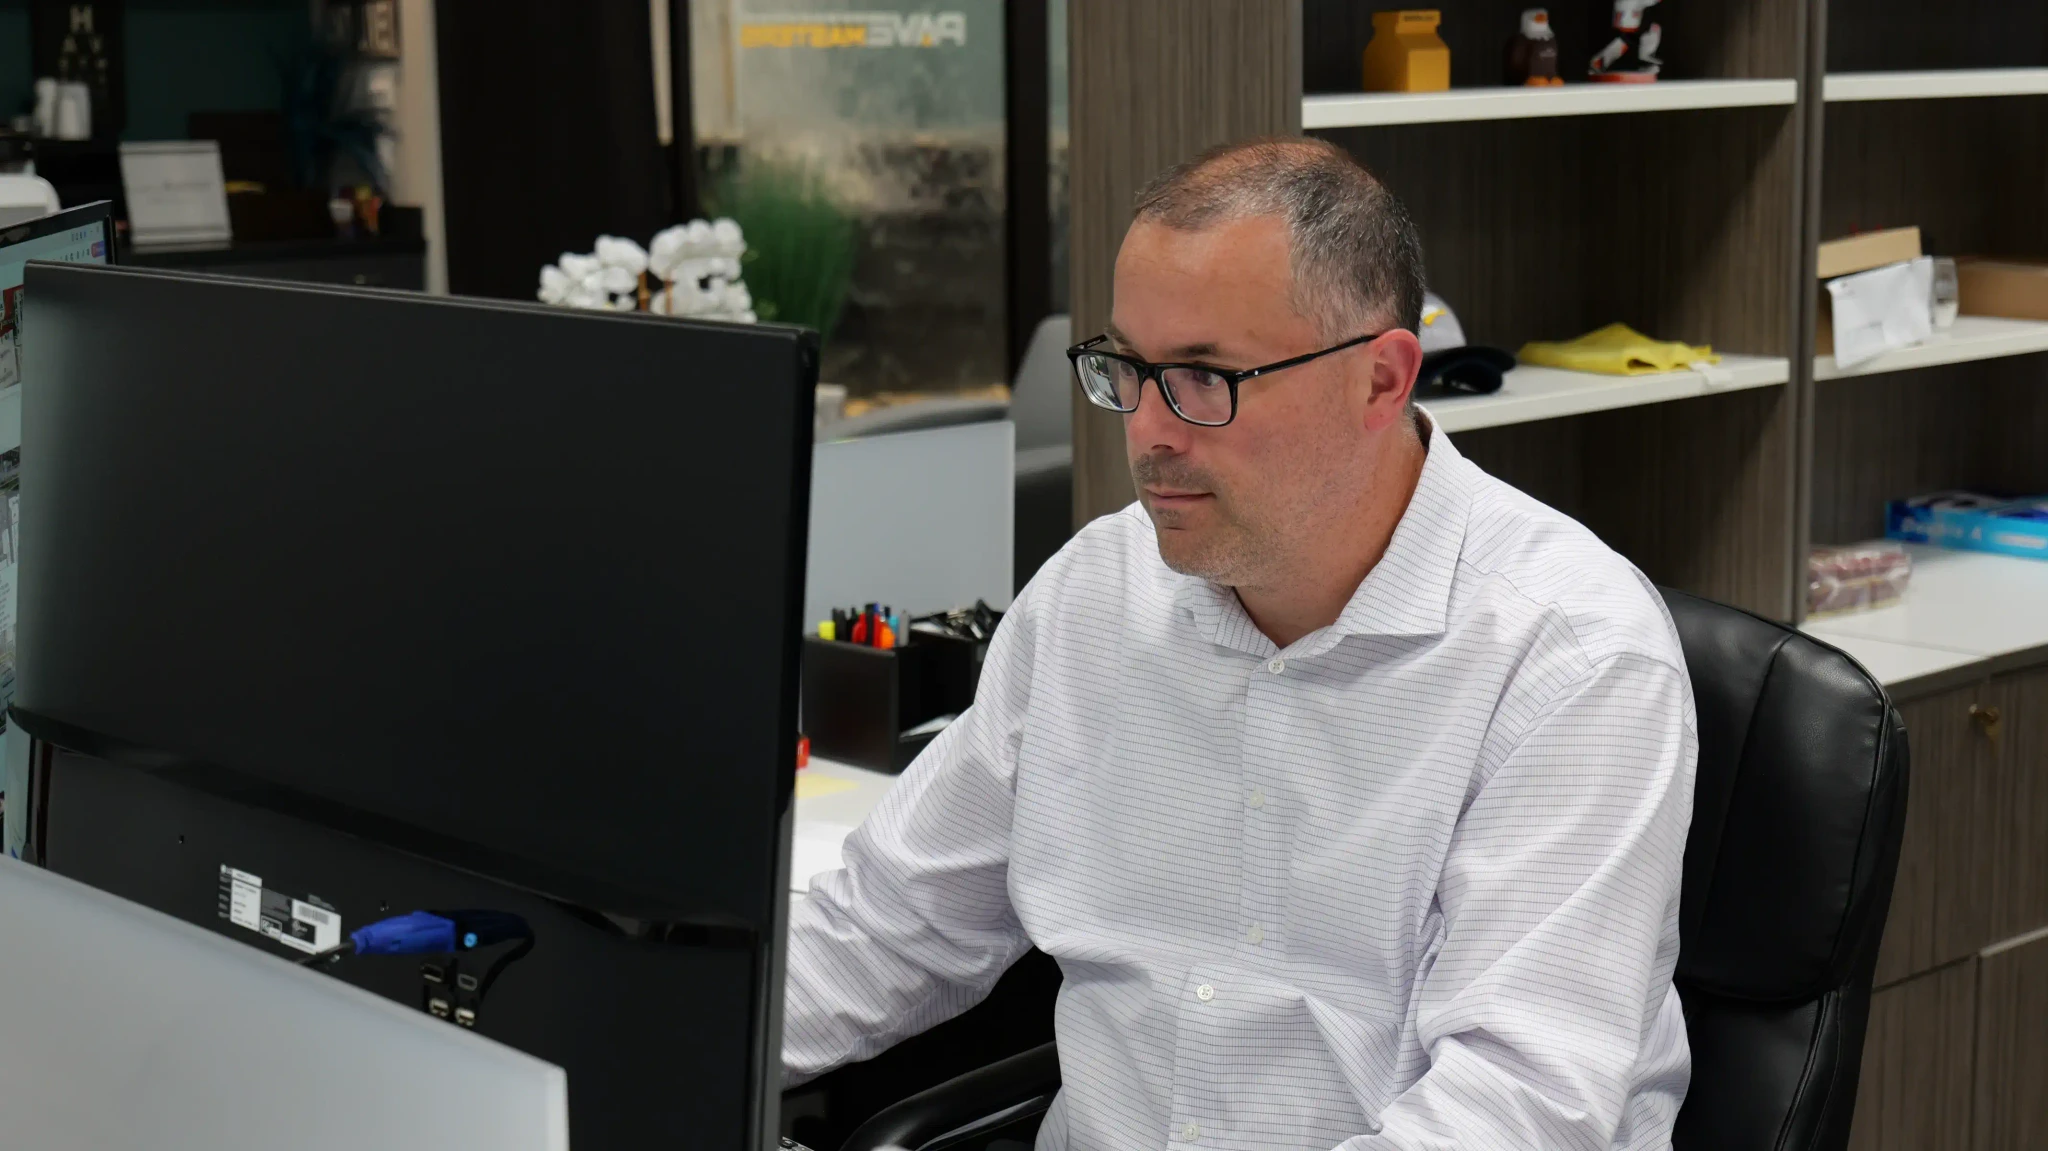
(1970, 522)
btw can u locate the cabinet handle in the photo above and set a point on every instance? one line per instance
(1987, 721)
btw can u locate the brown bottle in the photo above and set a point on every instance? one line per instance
(1532, 52)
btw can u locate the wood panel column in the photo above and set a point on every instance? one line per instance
(1152, 83)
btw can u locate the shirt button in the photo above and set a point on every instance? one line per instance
(1256, 934)
(1205, 993)
(1257, 798)
(1190, 1132)
(1277, 666)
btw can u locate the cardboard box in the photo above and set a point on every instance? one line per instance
(2014, 288)
(1405, 53)
(1867, 250)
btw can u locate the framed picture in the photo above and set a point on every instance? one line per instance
(368, 28)
(177, 196)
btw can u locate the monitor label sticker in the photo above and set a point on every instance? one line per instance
(296, 923)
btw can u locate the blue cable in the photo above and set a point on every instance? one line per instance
(428, 933)
(416, 933)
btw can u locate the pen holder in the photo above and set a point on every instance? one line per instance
(859, 701)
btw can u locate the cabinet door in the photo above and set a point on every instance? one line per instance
(2019, 833)
(2012, 1049)
(1915, 1090)
(1942, 901)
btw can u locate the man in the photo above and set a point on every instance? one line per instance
(1348, 786)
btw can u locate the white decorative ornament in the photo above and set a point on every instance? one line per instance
(689, 269)
(577, 266)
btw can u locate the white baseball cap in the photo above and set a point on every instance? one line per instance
(1450, 366)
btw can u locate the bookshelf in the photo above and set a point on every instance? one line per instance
(1691, 209)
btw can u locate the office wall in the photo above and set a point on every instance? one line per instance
(547, 136)
(883, 531)
(416, 122)
(1153, 83)
(15, 80)
(183, 56)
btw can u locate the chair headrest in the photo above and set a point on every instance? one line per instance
(1796, 811)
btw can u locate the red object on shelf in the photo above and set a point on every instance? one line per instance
(803, 752)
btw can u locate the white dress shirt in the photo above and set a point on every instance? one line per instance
(1410, 883)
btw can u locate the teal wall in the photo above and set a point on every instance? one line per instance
(14, 77)
(183, 56)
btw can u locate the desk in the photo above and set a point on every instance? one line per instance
(1965, 615)
(832, 799)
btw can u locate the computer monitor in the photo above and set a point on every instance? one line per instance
(153, 1033)
(339, 605)
(82, 235)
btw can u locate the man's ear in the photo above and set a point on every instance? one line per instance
(1397, 360)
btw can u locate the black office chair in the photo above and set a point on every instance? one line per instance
(1797, 813)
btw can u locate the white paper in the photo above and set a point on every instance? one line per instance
(1882, 309)
(176, 193)
(815, 847)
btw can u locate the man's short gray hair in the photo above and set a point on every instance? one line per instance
(1356, 259)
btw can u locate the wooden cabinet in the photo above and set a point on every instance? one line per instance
(1957, 1052)
(2019, 828)
(1941, 901)
(1916, 1091)
(1973, 868)
(2012, 1049)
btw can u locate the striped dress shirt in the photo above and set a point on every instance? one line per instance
(1410, 883)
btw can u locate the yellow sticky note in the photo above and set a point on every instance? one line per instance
(810, 786)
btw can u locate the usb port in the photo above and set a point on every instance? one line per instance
(465, 1016)
(432, 973)
(438, 1007)
(466, 982)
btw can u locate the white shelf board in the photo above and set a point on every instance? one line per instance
(1367, 109)
(1972, 604)
(1842, 86)
(1970, 338)
(1537, 393)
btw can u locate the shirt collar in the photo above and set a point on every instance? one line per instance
(1407, 593)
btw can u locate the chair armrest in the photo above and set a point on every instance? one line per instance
(1000, 1091)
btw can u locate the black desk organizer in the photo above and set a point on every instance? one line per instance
(859, 701)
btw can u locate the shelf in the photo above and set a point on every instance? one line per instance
(1961, 608)
(1368, 109)
(1535, 393)
(10, 418)
(1971, 338)
(1844, 86)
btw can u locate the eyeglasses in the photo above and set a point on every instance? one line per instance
(1200, 394)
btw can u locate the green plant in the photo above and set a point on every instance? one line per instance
(800, 241)
(323, 122)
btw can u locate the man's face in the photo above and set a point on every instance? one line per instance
(1239, 503)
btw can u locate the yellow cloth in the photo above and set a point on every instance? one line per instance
(1617, 350)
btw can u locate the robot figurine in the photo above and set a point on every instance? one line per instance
(1631, 55)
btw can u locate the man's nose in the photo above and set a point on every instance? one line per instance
(1153, 426)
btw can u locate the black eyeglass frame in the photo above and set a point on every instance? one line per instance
(1156, 373)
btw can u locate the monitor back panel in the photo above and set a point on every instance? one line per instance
(652, 1023)
(490, 577)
